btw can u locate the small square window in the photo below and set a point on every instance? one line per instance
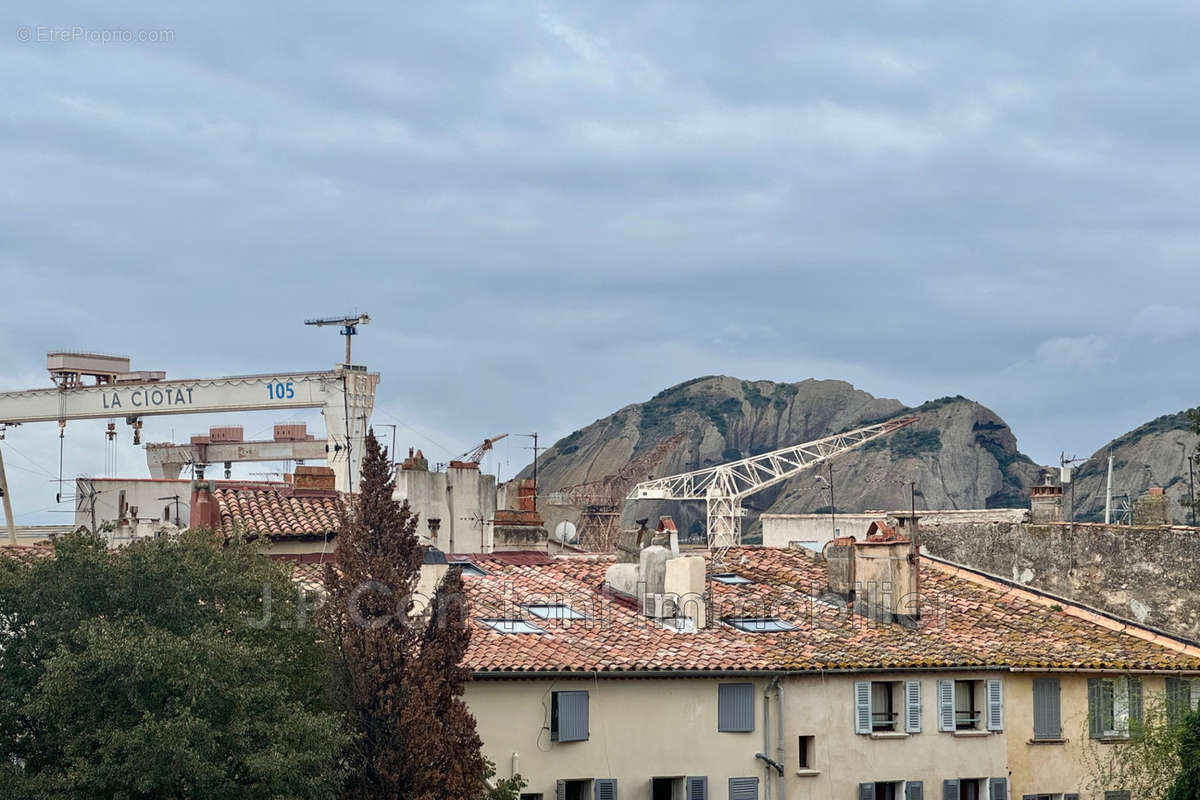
(553, 611)
(512, 626)
(759, 624)
(730, 578)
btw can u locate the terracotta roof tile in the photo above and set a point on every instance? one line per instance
(277, 513)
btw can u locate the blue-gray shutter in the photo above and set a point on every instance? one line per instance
(697, 787)
(866, 791)
(914, 790)
(560, 790)
(999, 788)
(945, 690)
(1117, 795)
(1047, 715)
(1095, 700)
(572, 716)
(862, 706)
(1071, 796)
(912, 706)
(1135, 702)
(735, 707)
(950, 790)
(743, 789)
(605, 788)
(1179, 699)
(995, 704)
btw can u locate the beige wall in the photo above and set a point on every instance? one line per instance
(668, 727)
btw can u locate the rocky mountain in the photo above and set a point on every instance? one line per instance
(1154, 454)
(959, 453)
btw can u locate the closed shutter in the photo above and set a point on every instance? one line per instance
(999, 788)
(1135, 703)
(743, 789)
(995, 705)
(912, 706)
(945, 691)
(735, 707)
(950, 790)
(866, 791)
(1047, 717)
(697, 787)
(572, 716)
(1071, 796)
(605, 788)
(862, 707)
(1095, 728)
(1120, 795)
(1179, 700)
(560, 790)
(914, 790)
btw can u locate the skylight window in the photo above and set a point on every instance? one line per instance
(730, 578)
(759, 624)
(468, 568)
(511, 626)
(553, 611)
(679, 624)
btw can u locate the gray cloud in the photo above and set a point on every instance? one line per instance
(552, 210)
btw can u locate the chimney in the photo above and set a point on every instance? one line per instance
(314, 478)
(1152, 508)
(204, 510)
(684, 580)
(526, 495)
(1045, 503)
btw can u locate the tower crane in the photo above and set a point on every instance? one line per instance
(349, 326)
(476, 455)
(724, 486)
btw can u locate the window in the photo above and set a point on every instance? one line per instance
(966, 713)
(883, 715)
(569, 717)
(696, 788)
(975, 789)
(1047, 716)
(735, 707)
(553, 611)
(1183, 695)
(1114, 705)
(806, 754)
(1117, 795)
(759, 624)
(743, 789)
(730, 578)
(970, 705)
(881, 790)
(573, 790)
(534, 796)
(667, 789)
(511, 626)
(468, 568)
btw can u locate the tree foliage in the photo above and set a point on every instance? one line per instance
(1187, 784)
(1159, 761)
(153, 671)
(402, 673)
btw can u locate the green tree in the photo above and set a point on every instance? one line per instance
(402, 671)
(1187, 785)
(169, 668)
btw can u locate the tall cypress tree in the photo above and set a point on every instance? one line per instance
(402, 672)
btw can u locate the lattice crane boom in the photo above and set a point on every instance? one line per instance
(724, 486)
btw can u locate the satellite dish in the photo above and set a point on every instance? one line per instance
(564, 532)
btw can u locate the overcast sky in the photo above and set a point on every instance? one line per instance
(553, 210)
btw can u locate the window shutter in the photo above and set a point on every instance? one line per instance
(912, 706)
(605, 788)
(999, 788)
(1135, 702)
(560, 790)
(995, 705)
(572, 716)
(735, 707)
(697, 787)
(950, 790)
(1095, 731)
(946, 708)
(743, 789)
(1047, 718)
(1071, 796)
(862, 707)
(914, 790)
(1118, 795)
(1178, 699)
(866, 791)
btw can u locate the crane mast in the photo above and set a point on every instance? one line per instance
(724, 486)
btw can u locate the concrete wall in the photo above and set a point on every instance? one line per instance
(1148, 575)
(464, 500)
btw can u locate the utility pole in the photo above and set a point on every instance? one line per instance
(8, 512)
(1192, 487)
(1108, 491)
(533, 436)
(832, 503)
(392, 452)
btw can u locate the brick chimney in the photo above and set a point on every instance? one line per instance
(314, 478)
(1152, 508)
(1045, 503)
(204, 510)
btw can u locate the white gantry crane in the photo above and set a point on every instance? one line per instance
(345, 395)
(724, 486)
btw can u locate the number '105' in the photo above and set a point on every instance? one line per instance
(281, 391)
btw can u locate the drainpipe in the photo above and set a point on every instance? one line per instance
(767, 735)
(779, 735)
(776, 763)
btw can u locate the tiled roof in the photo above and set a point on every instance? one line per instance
(277, 514)
(967, 621)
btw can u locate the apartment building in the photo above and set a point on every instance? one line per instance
(869, 673)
